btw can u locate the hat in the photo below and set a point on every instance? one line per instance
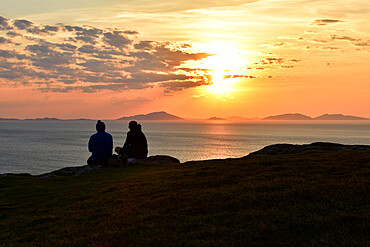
(100, 126)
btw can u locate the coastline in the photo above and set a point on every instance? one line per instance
(275, 149)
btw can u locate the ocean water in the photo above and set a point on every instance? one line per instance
(40, 147)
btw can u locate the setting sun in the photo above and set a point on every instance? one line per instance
(224, 66)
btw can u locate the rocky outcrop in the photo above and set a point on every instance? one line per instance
(159, 159)
(71, 171)
(78, 170)
(291, 148)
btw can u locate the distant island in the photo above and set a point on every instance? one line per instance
(45, 119)
(288, 116)
(216, 119)
(164, 116)
(152, 116)
(338, 117)
(298, 116)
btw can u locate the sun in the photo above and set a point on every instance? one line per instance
(225, 65)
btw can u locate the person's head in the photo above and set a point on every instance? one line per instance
(100, 126)
(132, 125)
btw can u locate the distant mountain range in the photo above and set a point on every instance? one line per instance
(289, 116)
(216, 118)
(338, 117)
(164, 116)
(298, 116)
(152, 116)
(45, 119)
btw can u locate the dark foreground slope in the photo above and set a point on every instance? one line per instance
(313, 198)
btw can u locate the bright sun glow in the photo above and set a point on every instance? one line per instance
(224, 64)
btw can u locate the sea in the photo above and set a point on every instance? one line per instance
(38, 147)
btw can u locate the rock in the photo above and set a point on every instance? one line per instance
(159, 159)
(78, 170)
(71, 171)
(291, 148)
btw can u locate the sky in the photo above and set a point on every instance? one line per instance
(194, 59)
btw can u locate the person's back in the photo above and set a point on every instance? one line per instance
(100, 145)
(138, 142)
(136, 145)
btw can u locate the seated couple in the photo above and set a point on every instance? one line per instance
(101, 145)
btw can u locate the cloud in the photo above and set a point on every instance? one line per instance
(333, 37)
(22, 24)
(324, 22)
(66, 47)
(354, 41)
(52, 28)
(63, 58)
(87, 35)
(116, 39)
(144, 45)
(42, 49)
(272, 60)
(12, 34)
(330, 48)
(195, 69)
(320, 41)
(40, 30)
(363, 43)
(131, 32)
(239, 76)
(276, 44)
(11, 54)
(181, 85)
(4, 23)
(96, 65)
(5, 40)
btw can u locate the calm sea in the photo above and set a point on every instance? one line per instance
(40, 147)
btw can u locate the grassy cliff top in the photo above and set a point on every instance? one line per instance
(313, 198)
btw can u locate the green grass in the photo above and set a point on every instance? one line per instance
(306, 199)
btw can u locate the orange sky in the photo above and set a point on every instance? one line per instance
(89, 59)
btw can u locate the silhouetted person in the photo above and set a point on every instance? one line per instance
(100, 145)
(136, 145)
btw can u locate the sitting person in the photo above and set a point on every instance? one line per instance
(100, 145)
(136, 145)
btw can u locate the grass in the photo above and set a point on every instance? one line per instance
(307, 199)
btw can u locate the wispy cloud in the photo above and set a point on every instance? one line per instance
(324, 22)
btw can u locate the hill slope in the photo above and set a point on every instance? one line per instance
(152, 116)
(314, 198)
(338, 117)
(288, 116)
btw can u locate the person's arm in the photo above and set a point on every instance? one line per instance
(127, 143)
(128, 140)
